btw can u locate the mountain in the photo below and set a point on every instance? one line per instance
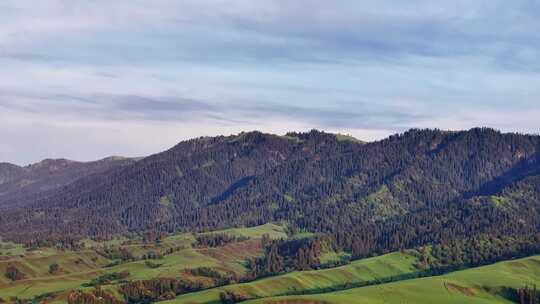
(22, 185)
(9, 172)
(419, 187)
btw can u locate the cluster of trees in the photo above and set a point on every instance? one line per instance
(528, 295)
(117, 253)
(152, 255)
(108, 278)
(96, 296)
(158, 289)
(475, 251)
(231, 297)
(151, 264)
(61, 242)
(524, 295)
(484, 249)
(286, 255)
(218, 239)
(220, 279)
(148, 291)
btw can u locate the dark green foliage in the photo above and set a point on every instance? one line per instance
(151, 264)
(152, 255)
(13, 273)
(161, 289)
(107, 278)
(218, 239)
(477, 251)
(524, 295)
(205, 272)
(113, 263)
(219, 278)
(97, 296)
(231, 297)
(54, 268)
(44, 297)
(117, 253)
(287, 255)
(60, 241)
(528, 295)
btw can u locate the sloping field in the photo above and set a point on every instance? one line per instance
(35, 265)
(358, 271)
(82, 266)
(273, 230)
(480, 285)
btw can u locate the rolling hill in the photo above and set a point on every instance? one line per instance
(415, 188)
(489, 284)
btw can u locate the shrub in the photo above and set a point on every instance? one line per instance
(151, 264)
(13, 273)
(231, 297)
(219, 278)
(54, 268)
(107, 278)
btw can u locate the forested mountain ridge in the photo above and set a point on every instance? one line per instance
(410, 189)
(9, 171)
(22, 185)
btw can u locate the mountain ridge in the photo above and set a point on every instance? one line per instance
(372, 197)
(19, 184)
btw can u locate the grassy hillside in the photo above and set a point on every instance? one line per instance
(79, 267)
(273, 230)
(476, 286)
(358, 271)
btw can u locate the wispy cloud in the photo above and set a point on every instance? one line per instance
(174, 69)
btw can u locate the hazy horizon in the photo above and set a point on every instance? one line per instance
(238, 133)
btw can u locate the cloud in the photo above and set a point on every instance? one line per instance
(135, 108)
(167, 70)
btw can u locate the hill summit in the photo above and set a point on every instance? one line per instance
(406, 190)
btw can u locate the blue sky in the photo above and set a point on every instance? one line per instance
(89, 79)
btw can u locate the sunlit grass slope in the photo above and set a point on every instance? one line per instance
(79, 267)
(480, 285)
(358, 271)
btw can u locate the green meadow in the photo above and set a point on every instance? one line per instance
(359, 271)
(480, 285)
(333, 285)
(273, 230)
(80, 267)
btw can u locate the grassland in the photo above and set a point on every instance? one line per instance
(480, 285)
(79, 267)
(310, 281)
(477, 285)
(273, 230)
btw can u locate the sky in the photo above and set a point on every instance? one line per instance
(88, 79)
